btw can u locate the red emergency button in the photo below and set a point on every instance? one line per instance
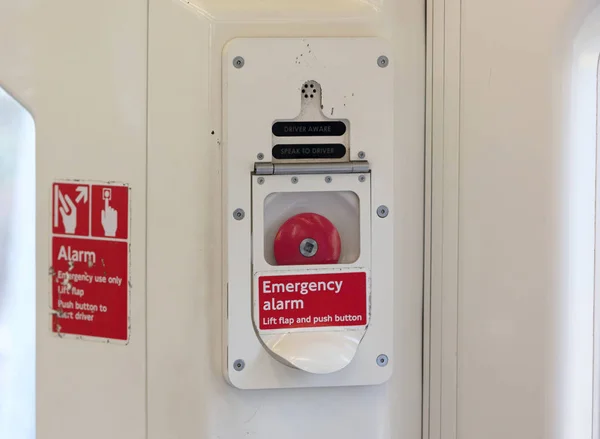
(307, 239)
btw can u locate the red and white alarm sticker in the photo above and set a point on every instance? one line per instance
(89, 275)
(317, 300)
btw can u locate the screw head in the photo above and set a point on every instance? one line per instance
(239, 214)
(383, 61)
(382, 360)
(362, 178)
(260, 156)
(361, 155)
(238, 62)
(260, 180)
(239, 365)
(328, 179)
(309, 247)
(382, 211)
(294, 180)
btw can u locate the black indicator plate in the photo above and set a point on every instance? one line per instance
(309, 129)
(314, 151)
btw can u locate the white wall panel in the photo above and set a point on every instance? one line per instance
(80, 69)
(188, 396)
(513, 171)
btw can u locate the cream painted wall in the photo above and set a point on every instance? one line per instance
(130, 91)
(184, 308)
(513, 155)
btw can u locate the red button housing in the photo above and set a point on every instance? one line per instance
(304, 230)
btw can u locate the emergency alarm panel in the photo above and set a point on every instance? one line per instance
(309, 212)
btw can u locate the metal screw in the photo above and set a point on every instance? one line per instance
(239, 365)
(328, 179)
(309, 247)
(294, 180)
(260, 180)
(260, 156)
(382, 211)
(361, 178)
(382, 360)
(383, 61)
(361, 155)
(239, 214)
(238, 62)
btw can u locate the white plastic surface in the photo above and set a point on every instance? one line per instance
(356, 89)
(323, 352)
(326, 350)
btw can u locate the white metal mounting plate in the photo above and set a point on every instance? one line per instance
(267, 88)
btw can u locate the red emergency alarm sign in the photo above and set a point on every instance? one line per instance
(90, 260)
(314, 300)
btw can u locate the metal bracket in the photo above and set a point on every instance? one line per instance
(261, 168)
